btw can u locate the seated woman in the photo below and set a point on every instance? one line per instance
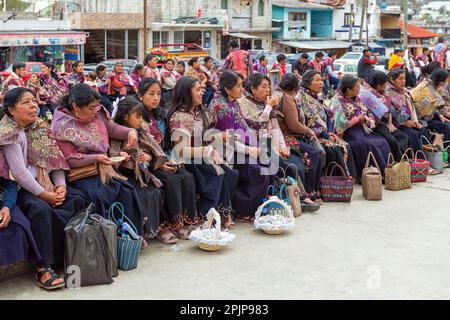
(300, 138)
(189, 122)
(41, 95)
(138, 74)
(147, 154)
(169, 80)
(258, 110)
(16, 236)
(319, 119)
(37, 164)
(77, 75)
(398, 141)
(354, 122)
(121, 84)
(83, 129)
(254, 179)
(404, 115)
(430, 103)
(56, 89)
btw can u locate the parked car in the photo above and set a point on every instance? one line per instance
(351, 57)
(381, 64)
(32, 67)
(343, 67)
(128, 65)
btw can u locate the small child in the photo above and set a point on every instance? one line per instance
(91, 80)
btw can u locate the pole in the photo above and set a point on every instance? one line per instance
(145, 27)
(367, 23)
(405, 24)
(361, 27)
(350, 30)
(4, 5)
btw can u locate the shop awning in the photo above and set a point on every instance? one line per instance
(22, 39)
(243, 36)
(418, 32)
(317, 45)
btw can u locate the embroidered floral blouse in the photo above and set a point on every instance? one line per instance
(402, 107)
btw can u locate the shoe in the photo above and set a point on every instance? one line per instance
(311, 208)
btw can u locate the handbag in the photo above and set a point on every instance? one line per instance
(419, 167)
(129, 243)
(398, 175)
(293, 191)
(336, 188)
(436, 158)
(88, 171)
(372, 182)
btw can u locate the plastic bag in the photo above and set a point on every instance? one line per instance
(91, 249)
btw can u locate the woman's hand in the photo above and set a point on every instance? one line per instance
(50, 197)
(409, 124)
(285, 154)
(125, 155)
(418, 125)
(311, 134)
(144, 157)
(391, 127)
(362, 118)
(272, 101)
(215, 156)
(101, 158)
(132, 140)
(61, 191)
(168, 167)
(254, 152)
(5, 218)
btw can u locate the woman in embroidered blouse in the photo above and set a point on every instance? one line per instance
(355, 123)
(254, 179)
(179, 210)
(121, 83)
(398, 141)
(430, 103)
(319, 119)
(83, 129)
(35, 161)
(138, 74)
(151, 67)
(300, 138)
(192, 131)
(56, 88)
(77, 75)
(404, 114)
(168, 81)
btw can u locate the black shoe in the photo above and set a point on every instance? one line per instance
(311, 208)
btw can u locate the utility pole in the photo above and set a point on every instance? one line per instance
(367, 22)
(350, 30)
(405, 24)
(145, 27)
(4, 5)
(361, 27)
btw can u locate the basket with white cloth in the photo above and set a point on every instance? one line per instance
(274, 216)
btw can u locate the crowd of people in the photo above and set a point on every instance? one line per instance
(191, 138)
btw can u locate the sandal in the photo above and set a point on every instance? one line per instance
(167, 237)
(182, 234)
(47, 285)
(229, 223)
(432, 172)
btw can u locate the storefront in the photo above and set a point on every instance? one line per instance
(61, 49)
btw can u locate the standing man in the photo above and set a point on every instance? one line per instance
(330, 75)
(280, 65)
(440, 51)
(366, 64)
(238, 60)
(317, 63)
(301, 66)
(19, 71)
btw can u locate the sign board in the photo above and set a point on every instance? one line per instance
(42, 39)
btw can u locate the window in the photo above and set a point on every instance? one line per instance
(133, 44)
(297, 21)
(348, 19)
(297, 16)
(178, 37)
(257, 44)
(224, 4)
(261, 8)
(115, 44)
(160, 37)
(35, 68)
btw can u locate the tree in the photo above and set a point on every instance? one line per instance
(16, 5)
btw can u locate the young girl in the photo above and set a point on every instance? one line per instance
(148, 154)
(39, 92)
(91, 81)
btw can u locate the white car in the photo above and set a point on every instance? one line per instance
(351, 57)
(343, 67)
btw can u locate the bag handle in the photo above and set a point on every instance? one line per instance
(270, 188)
(119, 207)
(405, 155)
(371, 156)
(444, 142)
(426, 140)
(423, 153)
(335, 164)
(391, 157)
(411, 151)
(295, 169)
(283, 189)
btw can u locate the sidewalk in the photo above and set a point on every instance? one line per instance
(394, 249)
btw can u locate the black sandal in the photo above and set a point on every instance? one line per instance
(48, 284)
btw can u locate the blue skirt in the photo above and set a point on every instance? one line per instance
(17, 240)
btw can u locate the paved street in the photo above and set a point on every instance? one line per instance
(394, 249)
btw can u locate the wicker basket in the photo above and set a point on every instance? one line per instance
(209, 238)
(275, 224)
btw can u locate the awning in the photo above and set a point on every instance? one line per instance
(317, 45)
(21, 39)
(158, 26)
(276, 20)
(418, 32)
(243, 36)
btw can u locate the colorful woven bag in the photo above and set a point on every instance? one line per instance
(336, 188)
(419, 167)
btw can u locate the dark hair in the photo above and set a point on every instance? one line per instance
(439, 76)
(281, 57)
(255, 80)
(92, 75)
(100, 68)
(82, 95)
(138, 67)
(432, 66)
(228, 80)
(159, 113)
(18, 66)
(181, 63)
(13, 97)
(308, 78)
(168, 60)
(48, 65)
(182, 98)
(395, 73)
(148, 58)
(440, 40)
(332, 53)
(192, 61)
(207, 59)
(319, 54)
(397, 50)
(425, 49)
(304, 56)
(289, 82)
(233, 44)
(366, 50)
(348, 82)
(128, 106)
(377, 78)
(262, 58)
(76, 64)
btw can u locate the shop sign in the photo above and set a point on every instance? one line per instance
(41, 39)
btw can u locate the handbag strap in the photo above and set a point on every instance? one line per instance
(269, 189)
(403, 157)
(391, 157)
(369, 157)
(283, 189)
(117, 206)
(291, 165)
(423, 153)
(411, 151)
(428, 141)
(334, 164)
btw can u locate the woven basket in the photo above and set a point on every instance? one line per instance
(398, 175)
(419, 167)
(336, 188)
(275, 224)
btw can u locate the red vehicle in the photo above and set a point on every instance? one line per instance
(32, 67)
